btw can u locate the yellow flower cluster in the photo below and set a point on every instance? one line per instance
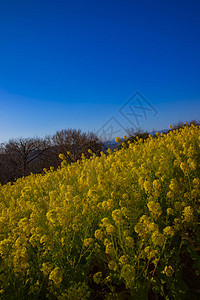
(188, 214)
(128, 273)
(169, 231)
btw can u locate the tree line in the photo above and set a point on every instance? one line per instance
(23, 156)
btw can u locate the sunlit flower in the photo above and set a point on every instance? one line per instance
(169, 231)
(168, 270)
(97, 277)
(56, 276)
(188, 214)
(112, 265)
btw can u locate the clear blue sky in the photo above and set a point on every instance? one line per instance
(74, 64)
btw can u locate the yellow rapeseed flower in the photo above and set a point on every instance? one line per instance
(98, 234)
(188, 214)
(169, 231)
(62, 156)
(88, 242)
(117, 140)
(97, 277)
(56, 276)
(129, 242)
(112, 265)
(110, 229)
(168, 271)
(155, 208)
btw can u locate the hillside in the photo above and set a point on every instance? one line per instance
(122, 226)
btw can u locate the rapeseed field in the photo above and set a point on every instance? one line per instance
(119, 226)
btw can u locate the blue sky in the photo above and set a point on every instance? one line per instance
(74, 64)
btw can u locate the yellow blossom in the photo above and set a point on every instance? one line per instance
(169, 231)
(168, 270)
(88, 242)
(46, 268)
(43, 239)
(109, 249)
(97, 277)
(62, 156)
(147, 186)
(156, 184)
(124, 259)
(112, 265)
(170, 211)
(56, 276)
(155, 208)
(98, 234)
(128, 273)
(110, 229)
(117, 216)
(157, 238)
(117, 140)
(129, 242)
(105, 221)
(188, 214)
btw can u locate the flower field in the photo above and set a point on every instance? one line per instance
(119, 226)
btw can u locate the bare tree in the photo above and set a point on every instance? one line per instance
(19, 156)
(133, 134)
(76, 142)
